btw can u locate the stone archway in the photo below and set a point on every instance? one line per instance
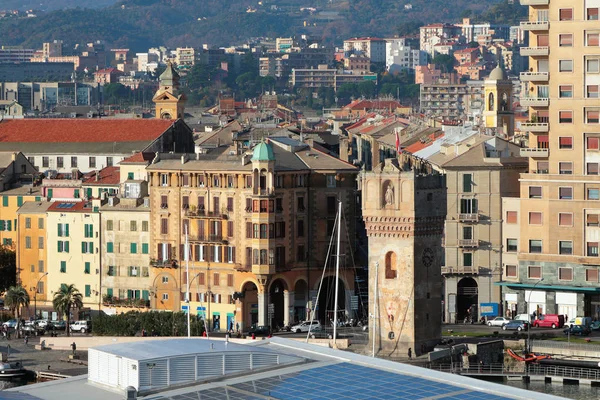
(249, 305)
(467, 297)
(277, 298)
(300, 301)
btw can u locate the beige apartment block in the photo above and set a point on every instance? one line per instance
(560, 196)
(403, 210)
(259, 225)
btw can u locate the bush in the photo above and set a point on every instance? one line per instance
(153, 322)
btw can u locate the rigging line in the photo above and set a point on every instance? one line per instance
(320, 284)
(353, 260)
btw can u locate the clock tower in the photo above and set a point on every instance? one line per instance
(169, 99)
(404, 208)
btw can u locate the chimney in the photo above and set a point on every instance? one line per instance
(97, 175)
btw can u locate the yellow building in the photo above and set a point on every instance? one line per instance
(73, 249)
(31, 250)
(169, 99)
(498, 111)
(259, 226)
(560, 196)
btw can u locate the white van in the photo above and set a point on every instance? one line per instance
(523, 317)
(583, 321)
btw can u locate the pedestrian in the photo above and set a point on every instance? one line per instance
(231, 326)
(410, 353)
(237, 327)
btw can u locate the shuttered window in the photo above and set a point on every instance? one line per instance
(535, 218)
(565, 193)
(565, 142)
(565, 14)
(511, 217)
(565, 219)
(593, 143)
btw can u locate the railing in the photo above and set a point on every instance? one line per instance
(138, 303)
(535, 101)
(195, 213)
(534, 25)
(534, 2)
(565, 372)
(459, 270)
(548, 344)
(164, 263)
(534, 126)
(574, 373)
(535, 51)
(207, 238)
(534, 152)
(242, 267)
(471, 217)
(468, 243)
(263, 192)
(534, 76)
(489, 369)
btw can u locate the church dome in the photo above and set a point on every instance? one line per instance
(263, 152)
(497, 74)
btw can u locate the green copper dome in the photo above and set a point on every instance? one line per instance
(263, 152)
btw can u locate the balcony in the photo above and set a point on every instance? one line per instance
(468, 243)
(263, 269)
(536, 127)
(534, 76)
(264, 192)
(534, 2)
(201, 213)
(535, 51)
(534, 152)
(535, 26)
(116, 302)
(459, 270)
(468, 217)
(242, 267)
(535, 101)
(208, 239)
(163, 263)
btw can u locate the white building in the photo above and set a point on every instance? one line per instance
(373, 48)
(400, 56)
(185, 56)
(143, 59)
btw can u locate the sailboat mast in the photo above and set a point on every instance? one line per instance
(337, 271)
(187, 279)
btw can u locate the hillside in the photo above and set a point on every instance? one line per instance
(138, 24)
(52, 5)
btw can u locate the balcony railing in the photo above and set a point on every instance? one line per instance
(534, 152)
(459, 270)
(470, 217)
(263, 192)
(242, 267)
(534, 2)
(535, 101)
(470, 243)
(208, 239)
(535, 26)
(163, 263)
(201, 213)
(541, 127)
(116, 302)
(535, 51)
(534, 76)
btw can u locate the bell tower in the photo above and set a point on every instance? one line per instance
(498, 111)
(169, 100)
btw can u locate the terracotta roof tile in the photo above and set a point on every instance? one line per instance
(82, 130)
(106, 176)
(139, 157)
(59, 206)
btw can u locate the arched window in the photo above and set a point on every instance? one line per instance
(166, 116)
(491, 101)
(504, 105)
(390, 265)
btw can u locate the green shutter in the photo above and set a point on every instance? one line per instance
(87, 268)
(89, 193)
(38, 198)
(144, 248)
(2, 225)
(109, 247)
(60, 230)
(88, 290)
(4, 201)
(19, 201)
(91, 247)
(67, 230)
(96, 209)
(133, 248)
(130, 175)
(66, 247)
(63, 266)
(50, 193)
(109, 292)
(59, 246)
(83, 247)
(145, 295)
(467, 181)
(9, 225)
(15, 225)
(76, 193)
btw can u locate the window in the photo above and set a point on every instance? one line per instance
(144, 226)
(331, 205)
(27, 223)
(300, 203)
(565, 14)
(535, 192)
(164, 226)
(592, 39)
(468, 206)
(565, 247)
(40, 265)
(300, 253)
(565, 168)
(133, 226)
(164, 201)
(592, 168)
(92, 162)
(164, 179)
(86, 268)
(511, 245)
(63, 267)
(565, 274)
(534, 272)
(60, 162)
(511, 217)
(41, 242)
(511, 271)
(230, 280)
(593, 194)
(565, 65)
(331, 182)
(467, 233)
(565, 40)
(565, 91)
(87, 247)
(565, 219)
(591, 219)
(592, 249)
(73, 162)
(390, 265)
(165, 296)
(165, 279)
(109, 161)
(468, 259)
(592, 91)
(591, 275)
(535, 246)
(565, 117)
(40, 288)
(565, 193)
(592, 65)
(565, 142)
(467, 183)
(216, 279)
(109, 224)
(592, 116)
(300, 230)
(88, 230)
(535, 218)
(63, 246)
(133, 271)
(592, 14)
(109, 247)
(45, 162)
(133, 248)
(542, 167)
(592, 143)
(40, 223)
(111, 270)
(27, 242)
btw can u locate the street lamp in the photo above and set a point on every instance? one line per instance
(529, 327)
(37, 285)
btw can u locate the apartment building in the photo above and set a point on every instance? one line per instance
(374, 48)
(185, 56)
(400, 55)
(258, 226)
(558, 246)
(10, 54)
(432, 34)
(45, 96)
(326, 77)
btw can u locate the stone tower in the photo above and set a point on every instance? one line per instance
(498, 111)
(169, 100)
(404, 208)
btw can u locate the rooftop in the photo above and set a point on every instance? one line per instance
(80, 206)
(138, 158)
(106, 176)
(34, 207)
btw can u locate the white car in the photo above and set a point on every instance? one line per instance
(306, 326)
(42, 323)
(80, 326)
(499, 321)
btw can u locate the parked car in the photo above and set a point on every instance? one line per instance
(11, 323)
(259, 330)
(42, 323)
(549, 321)
(306, 326)
(58, 325)
(498, 321)
(31, 328)
(585, 321)
(81, 326)
(578, 330)
(516, 325)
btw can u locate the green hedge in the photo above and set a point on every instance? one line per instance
(153, 322)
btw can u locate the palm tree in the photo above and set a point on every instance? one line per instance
(65, 299)
(15, 298)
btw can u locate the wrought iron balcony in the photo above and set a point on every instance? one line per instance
(534, 152)
(539, 127)
(468, 217)
(535, 25)
(468, 243)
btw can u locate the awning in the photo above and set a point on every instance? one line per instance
(517, 285)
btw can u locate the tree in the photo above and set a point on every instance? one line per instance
(444, 62)
(15, 298)
(8, 268)
(67, 298)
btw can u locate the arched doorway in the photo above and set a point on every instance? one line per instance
(276, 298)
(467, 297)
(326, 302)
(300, 300)
(249, 305)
